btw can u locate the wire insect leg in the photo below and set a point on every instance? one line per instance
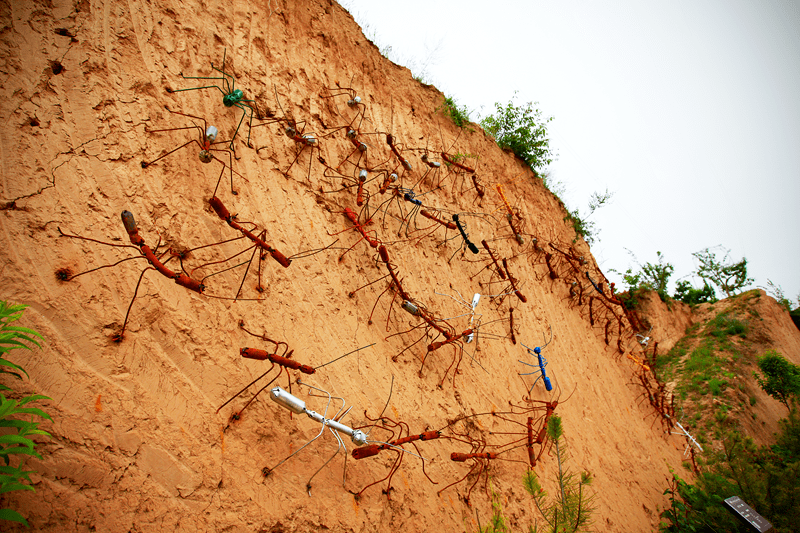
(119, 336)
(341, 445)
(247, 387)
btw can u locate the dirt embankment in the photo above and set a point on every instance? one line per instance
(719, 344)
(137, 442)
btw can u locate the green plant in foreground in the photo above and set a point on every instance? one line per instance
(16, 441)
(498, 520)
(522, 130)
(572, 508)
(781, 378)
(766, 477)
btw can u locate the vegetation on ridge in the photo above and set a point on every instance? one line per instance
(709, 367)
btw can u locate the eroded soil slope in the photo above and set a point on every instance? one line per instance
(137, 442)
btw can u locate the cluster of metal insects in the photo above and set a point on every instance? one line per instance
(384, 186)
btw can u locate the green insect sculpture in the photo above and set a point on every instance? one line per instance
(231, 97)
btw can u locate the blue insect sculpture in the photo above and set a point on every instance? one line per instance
(541, 364)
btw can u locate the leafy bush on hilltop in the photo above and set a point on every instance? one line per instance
(650, 276)
(522, 130)
(685, 293)
(730, 277)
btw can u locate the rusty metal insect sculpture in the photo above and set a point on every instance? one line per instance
(359, 227)
(390, 140)
(348, 182)
(510, 215)
(208, 139)
(481, 453)
(297, 134)
(394, 442)
(260, 249)
(152, 256)
(283, 360)
(353, 102)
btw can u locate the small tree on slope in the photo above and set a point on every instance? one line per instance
(730, 277)
(781, 379)
(571, 510)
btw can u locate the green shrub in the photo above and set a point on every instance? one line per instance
(775, 290)
(498, 521)
(571, 509)
(458, 114)
(781, 378)
(688, 294)
(716, 385)
(722, 326)
(522, 130)
(766, 477)
(582, 226)
(16, 440)
(701, 359)
(651, 276)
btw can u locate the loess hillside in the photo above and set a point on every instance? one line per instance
(707, 356)
(138, 442)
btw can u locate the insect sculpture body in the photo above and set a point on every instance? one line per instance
(479, 457)
(354, 102)
(510, 215)
(478, 187)
(353, 217)
(208, 139)
(223, 213)
(452, 161)
(283, 361)
(403, 161)
(542, 363)
(394, 445)
(231, 96)
(260, 248)
(513, 282)
(156, 263)
(334, 424)
(470, 245)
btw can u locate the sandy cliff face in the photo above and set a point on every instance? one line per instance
(137, 442)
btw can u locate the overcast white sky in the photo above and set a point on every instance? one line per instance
(688, 111)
